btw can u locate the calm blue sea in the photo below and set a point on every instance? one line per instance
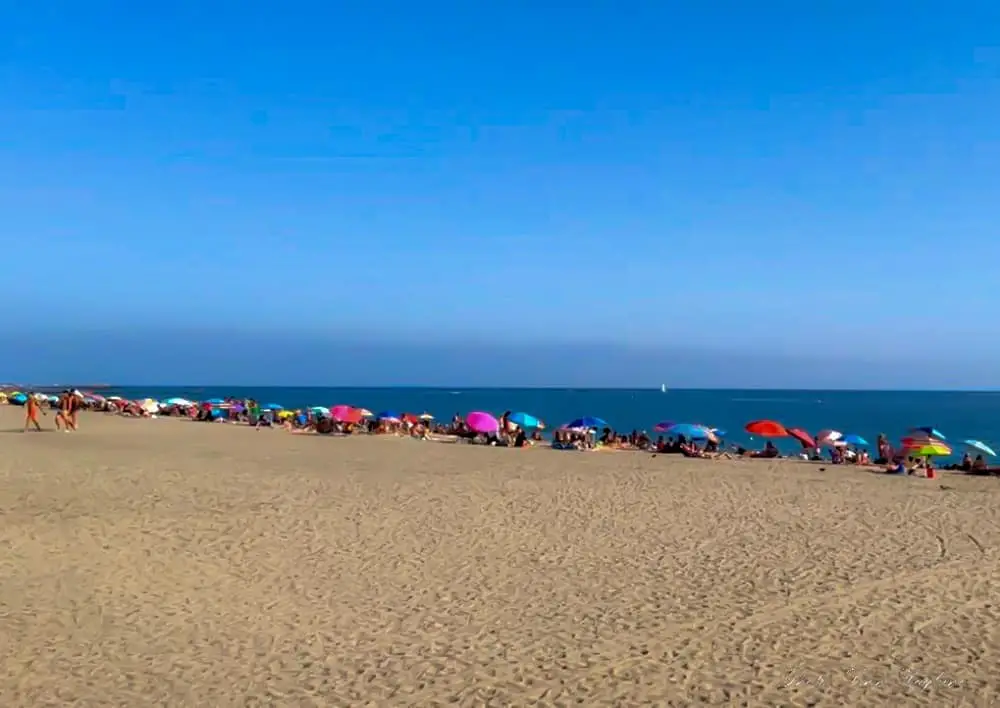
(958, 415)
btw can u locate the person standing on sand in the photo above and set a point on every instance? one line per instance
(73, 404)
(31, 410)
(65, 416)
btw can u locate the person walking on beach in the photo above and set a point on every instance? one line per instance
(31, 410)
(66, 417)
(73, 403)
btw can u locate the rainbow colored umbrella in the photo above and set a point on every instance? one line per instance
(925, 447)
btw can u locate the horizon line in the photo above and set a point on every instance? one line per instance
(506, 388)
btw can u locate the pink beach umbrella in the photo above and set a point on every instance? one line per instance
(664, 425)
(481, 422)
(346, 414)
(340, 412)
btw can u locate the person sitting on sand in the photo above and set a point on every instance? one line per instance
(898, 467)
(769, 452)
(978, 465)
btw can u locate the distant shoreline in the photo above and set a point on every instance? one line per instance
(679, 389)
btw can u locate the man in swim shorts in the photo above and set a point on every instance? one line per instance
(31, 410)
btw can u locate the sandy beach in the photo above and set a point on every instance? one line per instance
(162, 562)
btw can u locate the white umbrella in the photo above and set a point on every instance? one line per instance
(828, 437)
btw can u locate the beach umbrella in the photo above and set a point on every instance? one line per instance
(271, 406)
(411, 418)
(587, 421)
(341, 411)
(804, 438)
(664, 425)
(346, 414)
(924, 447)
(178, 402)
(853, 439)
(320, 410)
(980, 446)
(19, 399)
(766, 429)
(690, 430)
(928, 430)
(426, 416)
(526, 420)
(828, 437)
(215, 401)
(390, 417)
(366, 413)
(150, 406)
(481, 422)
(718, 432)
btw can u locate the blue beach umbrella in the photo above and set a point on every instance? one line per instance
(853, 439)
(19, 399)
(690, 430)
(390, 415)
(718, 432)
(980, 446)
(215, 401)
(587, 421)
(273, 406)
(320, 410)
(933, 432)
(526, 420)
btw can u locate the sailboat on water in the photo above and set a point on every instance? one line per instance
(663, 388)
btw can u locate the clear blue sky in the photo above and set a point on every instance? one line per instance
(814, 185)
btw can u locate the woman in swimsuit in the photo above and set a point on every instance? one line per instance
(32, 409)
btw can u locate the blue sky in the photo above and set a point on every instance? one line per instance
(678, 182)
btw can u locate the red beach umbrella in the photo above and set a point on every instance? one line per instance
(766, 429)
(803, 437)
(410, 418)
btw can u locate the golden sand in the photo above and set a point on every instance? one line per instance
(161, 562)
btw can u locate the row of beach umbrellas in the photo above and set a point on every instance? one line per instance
(921, 441)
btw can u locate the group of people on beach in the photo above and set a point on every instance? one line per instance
(67, 406)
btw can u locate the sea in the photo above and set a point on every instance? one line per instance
(959, 415)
